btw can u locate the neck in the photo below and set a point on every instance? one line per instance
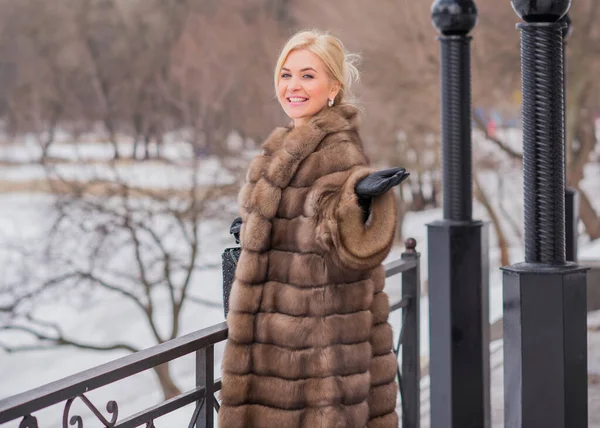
(304, 120)
(300, 122)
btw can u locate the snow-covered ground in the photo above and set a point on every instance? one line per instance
(90, 162)
(25, 219)
(111, 319)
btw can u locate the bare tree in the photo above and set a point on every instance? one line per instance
(399, 87)
(222, 79)
(41, 95)
(498, 56)
(190, 72)
(583, 103)
(100, 25)
(135, 242)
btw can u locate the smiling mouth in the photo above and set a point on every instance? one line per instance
(297, 99)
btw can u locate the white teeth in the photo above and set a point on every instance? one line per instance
(297, 100)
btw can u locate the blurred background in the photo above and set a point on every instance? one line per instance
(126, 127)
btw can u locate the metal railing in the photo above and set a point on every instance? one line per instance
(68, 390)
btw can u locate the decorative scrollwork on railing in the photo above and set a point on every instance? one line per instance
(111, 407)
(29, 422)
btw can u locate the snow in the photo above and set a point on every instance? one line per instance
(153, 174)
(26, 217)
(100, 317)
(590, 251)
(111, 321)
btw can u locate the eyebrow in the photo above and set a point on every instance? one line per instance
(304, 69)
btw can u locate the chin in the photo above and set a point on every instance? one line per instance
(295, 114)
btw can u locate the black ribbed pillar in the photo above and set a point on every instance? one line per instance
(545, 349)
(458, 252)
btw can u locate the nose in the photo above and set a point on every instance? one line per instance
(295, 83)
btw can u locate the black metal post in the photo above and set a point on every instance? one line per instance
(205, 377)
(571, 197)
(458, 305)
(411, 350)
(545, 349)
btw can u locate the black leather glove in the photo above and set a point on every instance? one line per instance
(235, 229)
(376, 184)
(380, 182)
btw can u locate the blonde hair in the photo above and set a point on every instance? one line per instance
(340, 65)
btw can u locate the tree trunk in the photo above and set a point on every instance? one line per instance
(401, 209)
(435, 189)
(135, 145)
(502, 242)
(147, 139)
(159, 145)
(169, 388)
(515, 227)
(418, 198)
(584, 132)
(588, 216)
(108, 123)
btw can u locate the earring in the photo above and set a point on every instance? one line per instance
(330, 102)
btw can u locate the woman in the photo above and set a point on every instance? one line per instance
(309, 344)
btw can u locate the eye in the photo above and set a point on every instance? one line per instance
(285, 75)
(309, 76)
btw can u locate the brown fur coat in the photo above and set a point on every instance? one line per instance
(309, 344)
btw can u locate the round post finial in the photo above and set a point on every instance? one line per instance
(410, 245)
(541, 10)
(454, 17)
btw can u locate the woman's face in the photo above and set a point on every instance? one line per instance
(304, 86)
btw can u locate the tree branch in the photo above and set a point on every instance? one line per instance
(50, 283)
(146, 308)
(192, 261)
(588, 215)
(484, 200)
(58, 341)
(165, 257)
(499, 143)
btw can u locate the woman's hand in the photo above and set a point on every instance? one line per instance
(376, 184)
(380, 182)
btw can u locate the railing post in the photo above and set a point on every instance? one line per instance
(458, 305)
(545, 334)
(411, 349)
(205, 377)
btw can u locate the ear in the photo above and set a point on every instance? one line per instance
(334, 90)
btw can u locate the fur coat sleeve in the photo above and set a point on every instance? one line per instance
(354, 243)
(309, 343)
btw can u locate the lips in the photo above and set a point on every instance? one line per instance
(297, 100)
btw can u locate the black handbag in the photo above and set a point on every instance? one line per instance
(230, 258)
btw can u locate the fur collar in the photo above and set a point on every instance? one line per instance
(288, 147)
(305, 138)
